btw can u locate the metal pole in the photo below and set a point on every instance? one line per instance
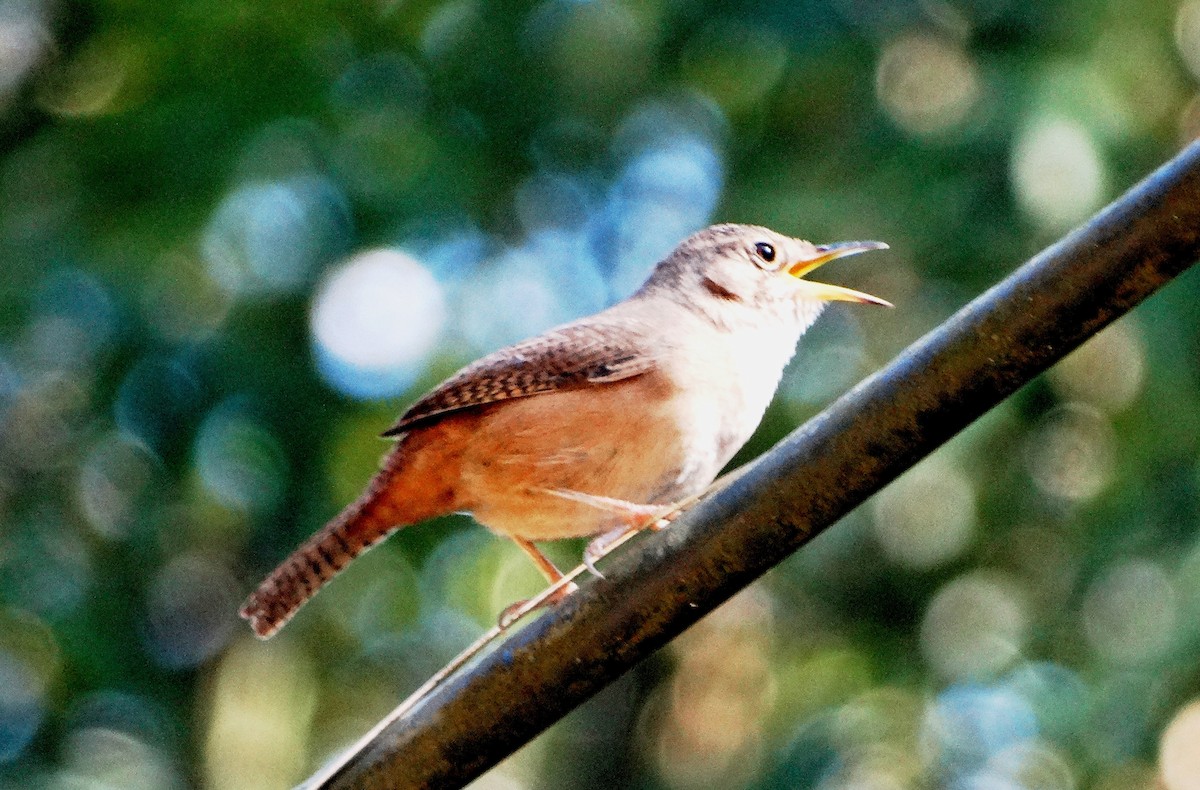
(655, 589)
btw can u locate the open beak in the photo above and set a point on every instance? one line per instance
(835, 293)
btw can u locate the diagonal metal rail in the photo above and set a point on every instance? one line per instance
(934, 389)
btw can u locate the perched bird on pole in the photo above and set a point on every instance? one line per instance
(589, 429)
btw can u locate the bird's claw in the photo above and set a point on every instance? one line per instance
(515, 611)
(589, 560)
(511, 614)
(601, 546)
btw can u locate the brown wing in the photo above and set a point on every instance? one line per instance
(569, 357)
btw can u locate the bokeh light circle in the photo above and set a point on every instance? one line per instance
(30, 663)
(1107, 371)
(1178, 755)
(1070, 454)
(1130, 613)
(270, 237)
(967, 725)
(239, 461)
(975, 627)
(190, 611)
(927, 516)
(374, 322)
(927, 84)
(110, 482)
(1059, 173)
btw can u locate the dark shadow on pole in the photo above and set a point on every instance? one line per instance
(657, 587)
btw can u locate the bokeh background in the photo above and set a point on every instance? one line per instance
(237, 238)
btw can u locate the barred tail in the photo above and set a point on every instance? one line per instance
(411, 487)
(319, 559)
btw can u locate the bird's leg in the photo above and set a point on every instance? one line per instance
(636, 518)
(549, 570)
(633, 518)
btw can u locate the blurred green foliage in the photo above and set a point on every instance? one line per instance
(236, 238)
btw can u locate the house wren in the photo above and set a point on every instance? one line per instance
(590, 428)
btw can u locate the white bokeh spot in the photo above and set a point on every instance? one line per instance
(375, 320)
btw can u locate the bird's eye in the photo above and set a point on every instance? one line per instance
(765, 251)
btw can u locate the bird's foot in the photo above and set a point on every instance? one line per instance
(514, 612)
(601, 546)
(632, 517)
(638, 518)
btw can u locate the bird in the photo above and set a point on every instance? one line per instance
(590, 428)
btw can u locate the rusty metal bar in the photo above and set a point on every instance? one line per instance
(663, 583)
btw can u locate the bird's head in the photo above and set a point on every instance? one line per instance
(757, 268)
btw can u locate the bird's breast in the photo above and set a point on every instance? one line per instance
(731, 383)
